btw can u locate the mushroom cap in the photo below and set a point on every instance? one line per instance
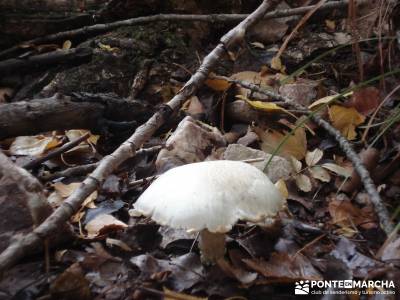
(210, 195)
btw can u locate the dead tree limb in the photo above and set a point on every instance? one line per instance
(109, 163)
(213, 18)
(67, 112)
(344, 145)
(45, 61)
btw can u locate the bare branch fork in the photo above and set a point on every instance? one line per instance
(213, 18)
(108, 164)
(344, 145)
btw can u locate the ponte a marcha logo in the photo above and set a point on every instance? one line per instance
(302, 287)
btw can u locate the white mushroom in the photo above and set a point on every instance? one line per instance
(210, 197)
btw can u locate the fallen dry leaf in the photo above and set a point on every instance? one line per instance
(303, 182)
(346, 215)
(102, 223)
(295, 145)
(326, 100)
(284, 267)
(313, 157)
(71, 284)
(263, 81)
(296, 164)
(5, 94)
(320, 173)
(346, 120)
(33, 145)
(365, 100)
(218, 84)
(265, 106)
(337, 169)
(67, 45)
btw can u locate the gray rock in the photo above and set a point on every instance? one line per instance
(279, 168)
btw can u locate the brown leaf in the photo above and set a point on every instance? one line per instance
(102, 223)
(365, 100)
(71, 284)
(218, 84)
(284, 267)
(345, 214)
(5, 94)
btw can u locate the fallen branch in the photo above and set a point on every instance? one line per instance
(213, 18)
(73, 171)
(44, 61)
(84, 169)
(86, 111)
(108, 164)
(68, 146)
(344, 145)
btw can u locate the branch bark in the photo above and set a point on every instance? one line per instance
(213, 18)
(66, 112)
(45, 61)
(128, 149)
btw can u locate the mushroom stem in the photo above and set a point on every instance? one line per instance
(212, 246)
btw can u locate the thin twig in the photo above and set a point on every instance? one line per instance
(296, 28)
(138, 182)
(213, 18)
(64, 148)
(344, 145)
(23, 245)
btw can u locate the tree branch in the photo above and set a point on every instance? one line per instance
(344, 145)
(213, 18)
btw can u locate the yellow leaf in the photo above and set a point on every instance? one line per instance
(326, 100)
(67, 45)
(330, 24)
(281, 186)
(263, 81)
(107, 47)
(295, 145)
(276, 64)
(346, 120)
(218, 84)
(265, 106)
